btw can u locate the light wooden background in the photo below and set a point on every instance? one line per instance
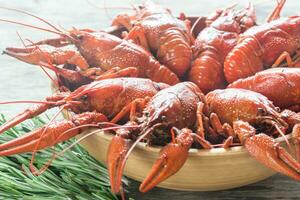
(20, 81)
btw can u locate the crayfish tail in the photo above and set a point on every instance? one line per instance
(207, 72)
(160, 73)
(175, 52)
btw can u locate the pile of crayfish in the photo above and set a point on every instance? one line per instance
(179, 83)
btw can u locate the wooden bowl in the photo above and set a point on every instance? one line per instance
(204, 170)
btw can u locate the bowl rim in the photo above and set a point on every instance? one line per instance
(193, 152)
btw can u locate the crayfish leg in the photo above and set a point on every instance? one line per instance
(276, 12)
(284, 56)
(228, 142)
(200, 126)
(123, 20)
(116, 73)
(137, 34)
(131, 109)
(291, 117)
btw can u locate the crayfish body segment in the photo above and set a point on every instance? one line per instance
(280, 85)
(214, 43)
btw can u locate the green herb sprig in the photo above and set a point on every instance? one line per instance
(76, 175)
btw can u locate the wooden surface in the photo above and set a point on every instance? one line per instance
(20, 81)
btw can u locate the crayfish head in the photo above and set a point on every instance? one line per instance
(77, 105)
(76, 36)
(149, 8)
(79, 36)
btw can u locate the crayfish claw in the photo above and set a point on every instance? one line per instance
(51, 134)
(116, 153)
(27, 114)
(267, 151)
(296, 137)
(29, 54)
(172, 158)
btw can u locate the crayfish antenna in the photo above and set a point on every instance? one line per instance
(56, 30)
(64, 35)
(32, 15)
(276, 12)
(34, 27)
(266, 150)
(66, 135)
(41, 106)
(110, 7)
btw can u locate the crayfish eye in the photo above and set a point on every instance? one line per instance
(79, 37)
(261, 111)
(277, 109)
(147, 114)
(163, 118)
(83, 98)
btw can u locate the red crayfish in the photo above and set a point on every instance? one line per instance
(214, 43)
(280, 85)
(244, 109)
(99, 55)
(106, 97)
(160, 110)
(156, 29)
(262, 46)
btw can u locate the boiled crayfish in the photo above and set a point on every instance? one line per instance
(99, 55)
(262, 46)
(156, 29)
(107, 97)
(214, 43)
(175, 115)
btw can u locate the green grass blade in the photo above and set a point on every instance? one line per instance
(75, 176)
